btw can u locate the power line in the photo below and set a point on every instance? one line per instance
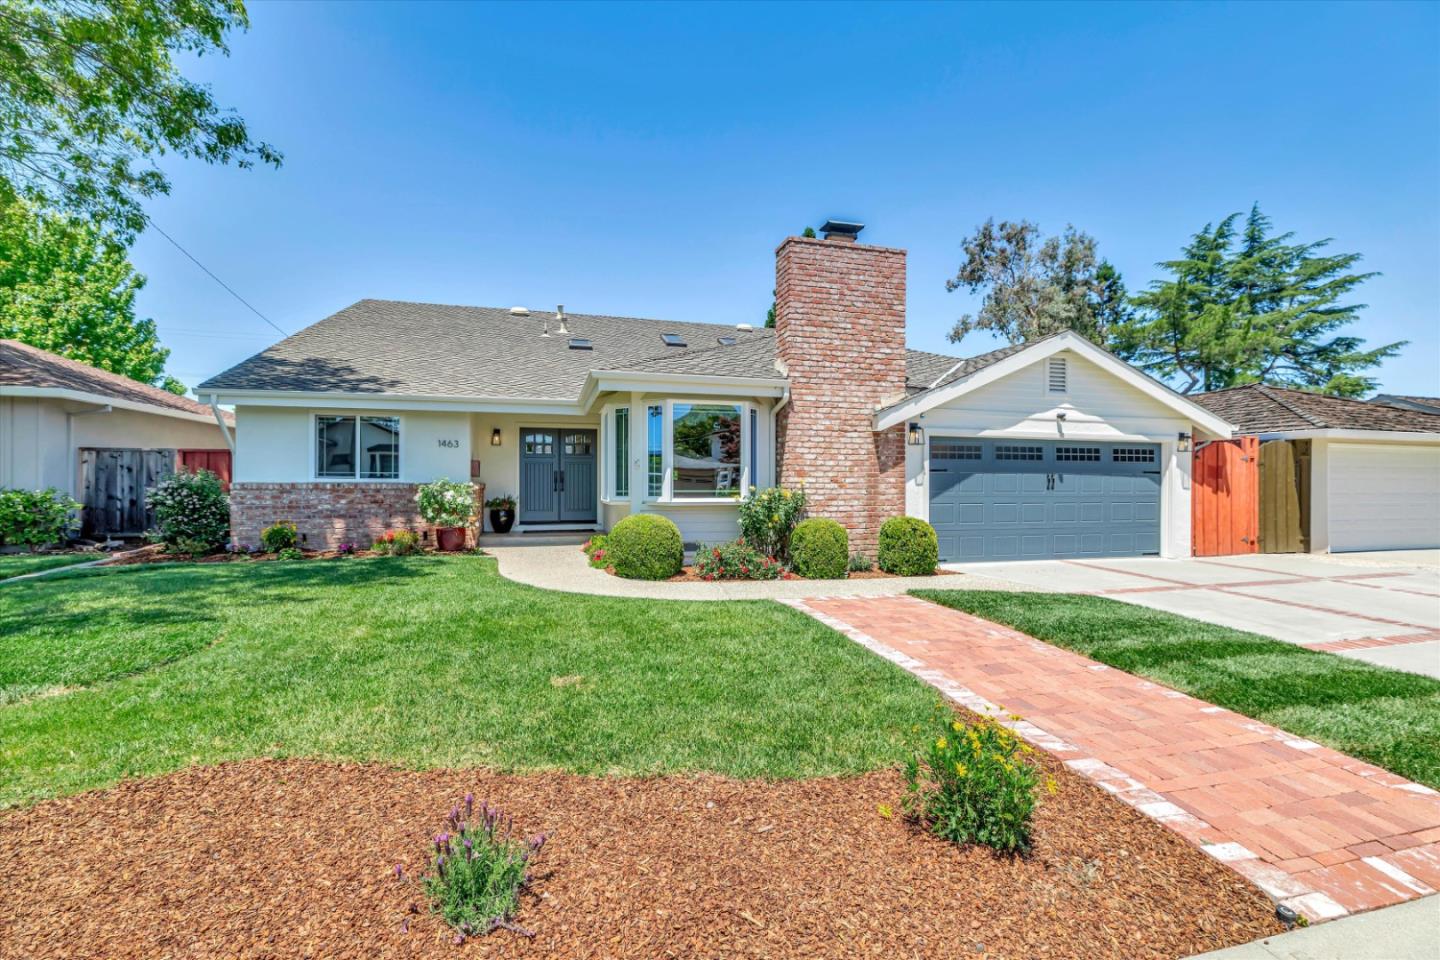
(211, 275)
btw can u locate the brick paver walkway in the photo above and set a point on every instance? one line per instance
(1319, 831)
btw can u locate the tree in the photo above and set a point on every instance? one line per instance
(1035, 286)
(90, 96)
(67, 287)
(809, 233)
(1253, 306)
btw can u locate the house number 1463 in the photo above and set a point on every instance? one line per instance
(454, 444)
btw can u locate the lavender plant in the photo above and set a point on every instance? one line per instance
(478, 869)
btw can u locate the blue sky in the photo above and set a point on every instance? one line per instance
(646, 160)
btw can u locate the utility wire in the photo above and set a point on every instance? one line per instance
(211, 275)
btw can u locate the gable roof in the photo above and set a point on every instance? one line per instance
(396, 348)
(1261, 408)
(34, 370)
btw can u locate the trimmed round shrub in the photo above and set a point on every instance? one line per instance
(820, 549)
(645, 546)
(191, 509)
(279, 536)
(908, 547)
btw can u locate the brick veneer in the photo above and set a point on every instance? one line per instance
(328, 514)
(840, 335)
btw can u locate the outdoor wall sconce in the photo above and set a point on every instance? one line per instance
(1183, 441)
(495, 437)
(914, 435)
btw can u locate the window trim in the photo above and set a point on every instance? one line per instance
(750, 448)
(357, 416)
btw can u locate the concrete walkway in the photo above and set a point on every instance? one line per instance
(1379, 607)
(562, 566)
(1408, 931)
(1321, 832)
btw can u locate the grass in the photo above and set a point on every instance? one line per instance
(15, 564)
(1390, 718)
(422, 661)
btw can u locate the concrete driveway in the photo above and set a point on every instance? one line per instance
(1380, 607)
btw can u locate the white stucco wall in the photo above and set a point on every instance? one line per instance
(1097, 406)
(39, 437)
(277, 444)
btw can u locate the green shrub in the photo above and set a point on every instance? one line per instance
(736, 560)
(191, 508)
(397, 543)
(279, 536)
(973, 784)
(820, 549)
(646, 546)
(477, 870)
(34, 518)
(194, 548)
(908, 547)
(598, 550)
(290, 553)
(859, 563)
(446, 503)
(768, 518)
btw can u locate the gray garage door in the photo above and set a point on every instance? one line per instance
(1034, 500)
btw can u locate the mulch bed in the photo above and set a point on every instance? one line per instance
(271, 858)
(155, 553)
(688, 575)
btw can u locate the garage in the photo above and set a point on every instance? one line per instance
(1384, 496)
(1040, 500)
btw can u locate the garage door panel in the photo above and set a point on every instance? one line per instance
(1384, 496)
(1032, 504)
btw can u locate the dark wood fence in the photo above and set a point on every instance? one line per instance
(114, 482)
(1285, 496)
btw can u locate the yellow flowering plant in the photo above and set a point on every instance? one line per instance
(973, 783)
(768, 518)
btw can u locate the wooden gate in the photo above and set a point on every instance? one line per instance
(1224, 502)
(216, 461)
(1285, 496)
(114, 482)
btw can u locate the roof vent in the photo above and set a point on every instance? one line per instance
(727, 341)
(843, 230)
(673, 339)
(581, 343)
(745, 327)
(519, 312)
(560, 316)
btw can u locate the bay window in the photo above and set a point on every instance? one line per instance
(705, 450)
(693, 450)
(357, 448)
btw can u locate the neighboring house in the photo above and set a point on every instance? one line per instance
(1367, 474)
(1052, 448)
(99, 437)
(1423, 404)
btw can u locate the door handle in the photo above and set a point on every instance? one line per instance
(555, 482)
(562, 481)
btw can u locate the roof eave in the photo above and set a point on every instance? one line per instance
(103, 400)
(1351, 433)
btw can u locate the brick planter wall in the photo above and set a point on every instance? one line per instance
(328, 514)
(840, 332)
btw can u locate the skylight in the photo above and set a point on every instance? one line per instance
(727, 341)
(580, 343)
(673, 339)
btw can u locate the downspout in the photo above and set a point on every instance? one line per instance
(224, 430)
(775, 437)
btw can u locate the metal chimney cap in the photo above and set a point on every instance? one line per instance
(842, 229)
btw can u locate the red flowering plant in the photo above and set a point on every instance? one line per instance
(736, 560)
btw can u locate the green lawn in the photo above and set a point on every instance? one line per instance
(1389, 718)
(15, 564)
(437, 661)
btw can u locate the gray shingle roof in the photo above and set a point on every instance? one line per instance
(426, 349)
(22, 365)
(1260, 408)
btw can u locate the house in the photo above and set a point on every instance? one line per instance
(1052, 448)
(1366, 474)
(100, 437)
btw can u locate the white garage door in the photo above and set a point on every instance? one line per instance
(1384, 496)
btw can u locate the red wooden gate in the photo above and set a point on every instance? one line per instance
(216, 461)
(1225, 499)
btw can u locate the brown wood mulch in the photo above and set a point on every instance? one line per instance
(155, 553)
(688, 575)
(271, 858)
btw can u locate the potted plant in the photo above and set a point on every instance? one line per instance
(447, 505)
(502, 513)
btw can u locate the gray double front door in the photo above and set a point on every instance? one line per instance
(1036, 500)
(557, 475)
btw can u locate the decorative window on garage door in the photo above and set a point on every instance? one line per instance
(953, 450)
(1133, 455)
(1015, 451)
(1082, 454)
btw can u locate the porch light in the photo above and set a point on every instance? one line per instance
(914, 435)
(1183, 441)
(495, 437)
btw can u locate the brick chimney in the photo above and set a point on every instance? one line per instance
(840, 336)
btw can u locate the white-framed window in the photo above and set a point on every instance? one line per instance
(695, 449)
(357, 447)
